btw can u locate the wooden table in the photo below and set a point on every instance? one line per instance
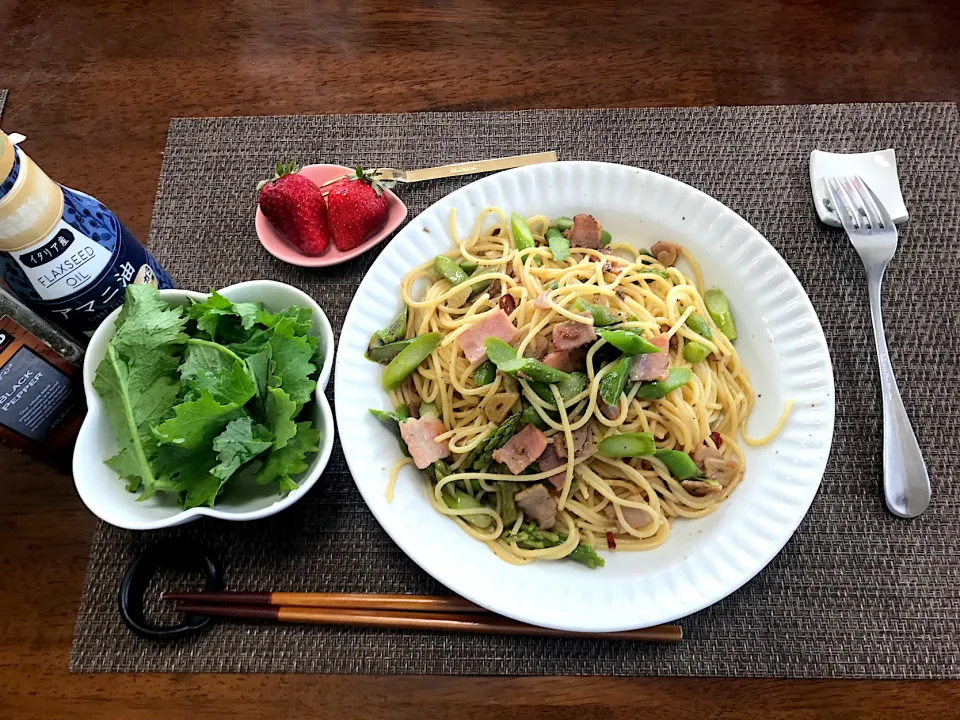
(94, 84)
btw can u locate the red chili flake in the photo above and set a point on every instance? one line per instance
(717, 440)
(611, 541)
(508, 304)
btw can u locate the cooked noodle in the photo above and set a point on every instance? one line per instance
(714, 404)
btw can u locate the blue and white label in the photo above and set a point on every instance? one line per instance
(66, 262)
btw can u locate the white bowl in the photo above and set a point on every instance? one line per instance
(105, 494)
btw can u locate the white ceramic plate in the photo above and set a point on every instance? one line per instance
(781, 343)
(104, 493)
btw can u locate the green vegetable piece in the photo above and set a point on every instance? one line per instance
(429, 408)
(563, 223)
(408, 359)
(628, 342)
(559, 245)
(292, 361)
(394, 332)
(656, 390)
(219, 316)
(601, 315)
(399, 415)
(699, 326)
(614, 382)
(260, 365)
(449, 270)
(635, 444)
(542, 390)
(211, 366)
(605, 238)
(655, 271)
(195, 423)
(240, 442)
(485, 373)
(508, 506)
(281, 465)
(646, 251)
(552, 285)
(530, 416)
(393, 420)
(468, 267)
(574, 384)
(462, 501)
(476, 288)
(383, 354)
(533, 369)
(279, 412)
(137, 380)
(719, 308)
(680, 465)
(495, 440)
(522, 236)
(694, 352)
(498, 351)
(586, 555)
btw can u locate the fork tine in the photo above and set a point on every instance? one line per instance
(864, 202)
(846, 211)
(872, 201)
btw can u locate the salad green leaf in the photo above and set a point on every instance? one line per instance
(199, 395)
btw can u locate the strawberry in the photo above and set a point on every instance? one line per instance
(294, 206)
(356, 207)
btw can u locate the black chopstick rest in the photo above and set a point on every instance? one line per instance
(174, 555)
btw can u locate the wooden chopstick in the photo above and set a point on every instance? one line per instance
(353, 601)
(388, 611)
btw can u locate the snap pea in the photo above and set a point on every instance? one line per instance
(462, 501)
(658, 389)
(386, 353)
(393, 420)
(699, 326)
(628, 342)
(694, 352)
(522, 236)
(498, 351)
(532, 417)
(448, 269)
(478, 287)
(408, 359)
(601, 315)
(614, 382)
(429, 408)
(390, 334)
(533, 369)
(719, 308)
(680, 465)
(627, 445)
(574, 384)
(485, 373)
(543, 390)
(468, 267)
(563, 223)
(605, 238)
(559, 245)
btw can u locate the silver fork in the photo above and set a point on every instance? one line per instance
(906, 483)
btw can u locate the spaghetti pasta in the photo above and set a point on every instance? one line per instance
(559, 490)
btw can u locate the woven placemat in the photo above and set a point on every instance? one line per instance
(856, 592)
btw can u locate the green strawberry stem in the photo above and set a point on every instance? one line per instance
(280, 170)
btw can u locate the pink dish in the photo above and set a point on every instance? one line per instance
(277, 245)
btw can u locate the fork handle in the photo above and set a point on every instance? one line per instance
(906, 483)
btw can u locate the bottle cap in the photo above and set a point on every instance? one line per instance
(32, 208)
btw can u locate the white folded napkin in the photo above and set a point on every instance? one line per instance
(878, 169)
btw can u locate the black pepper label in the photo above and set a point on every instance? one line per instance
(38, 387)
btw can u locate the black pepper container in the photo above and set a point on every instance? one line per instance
(41, 384)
